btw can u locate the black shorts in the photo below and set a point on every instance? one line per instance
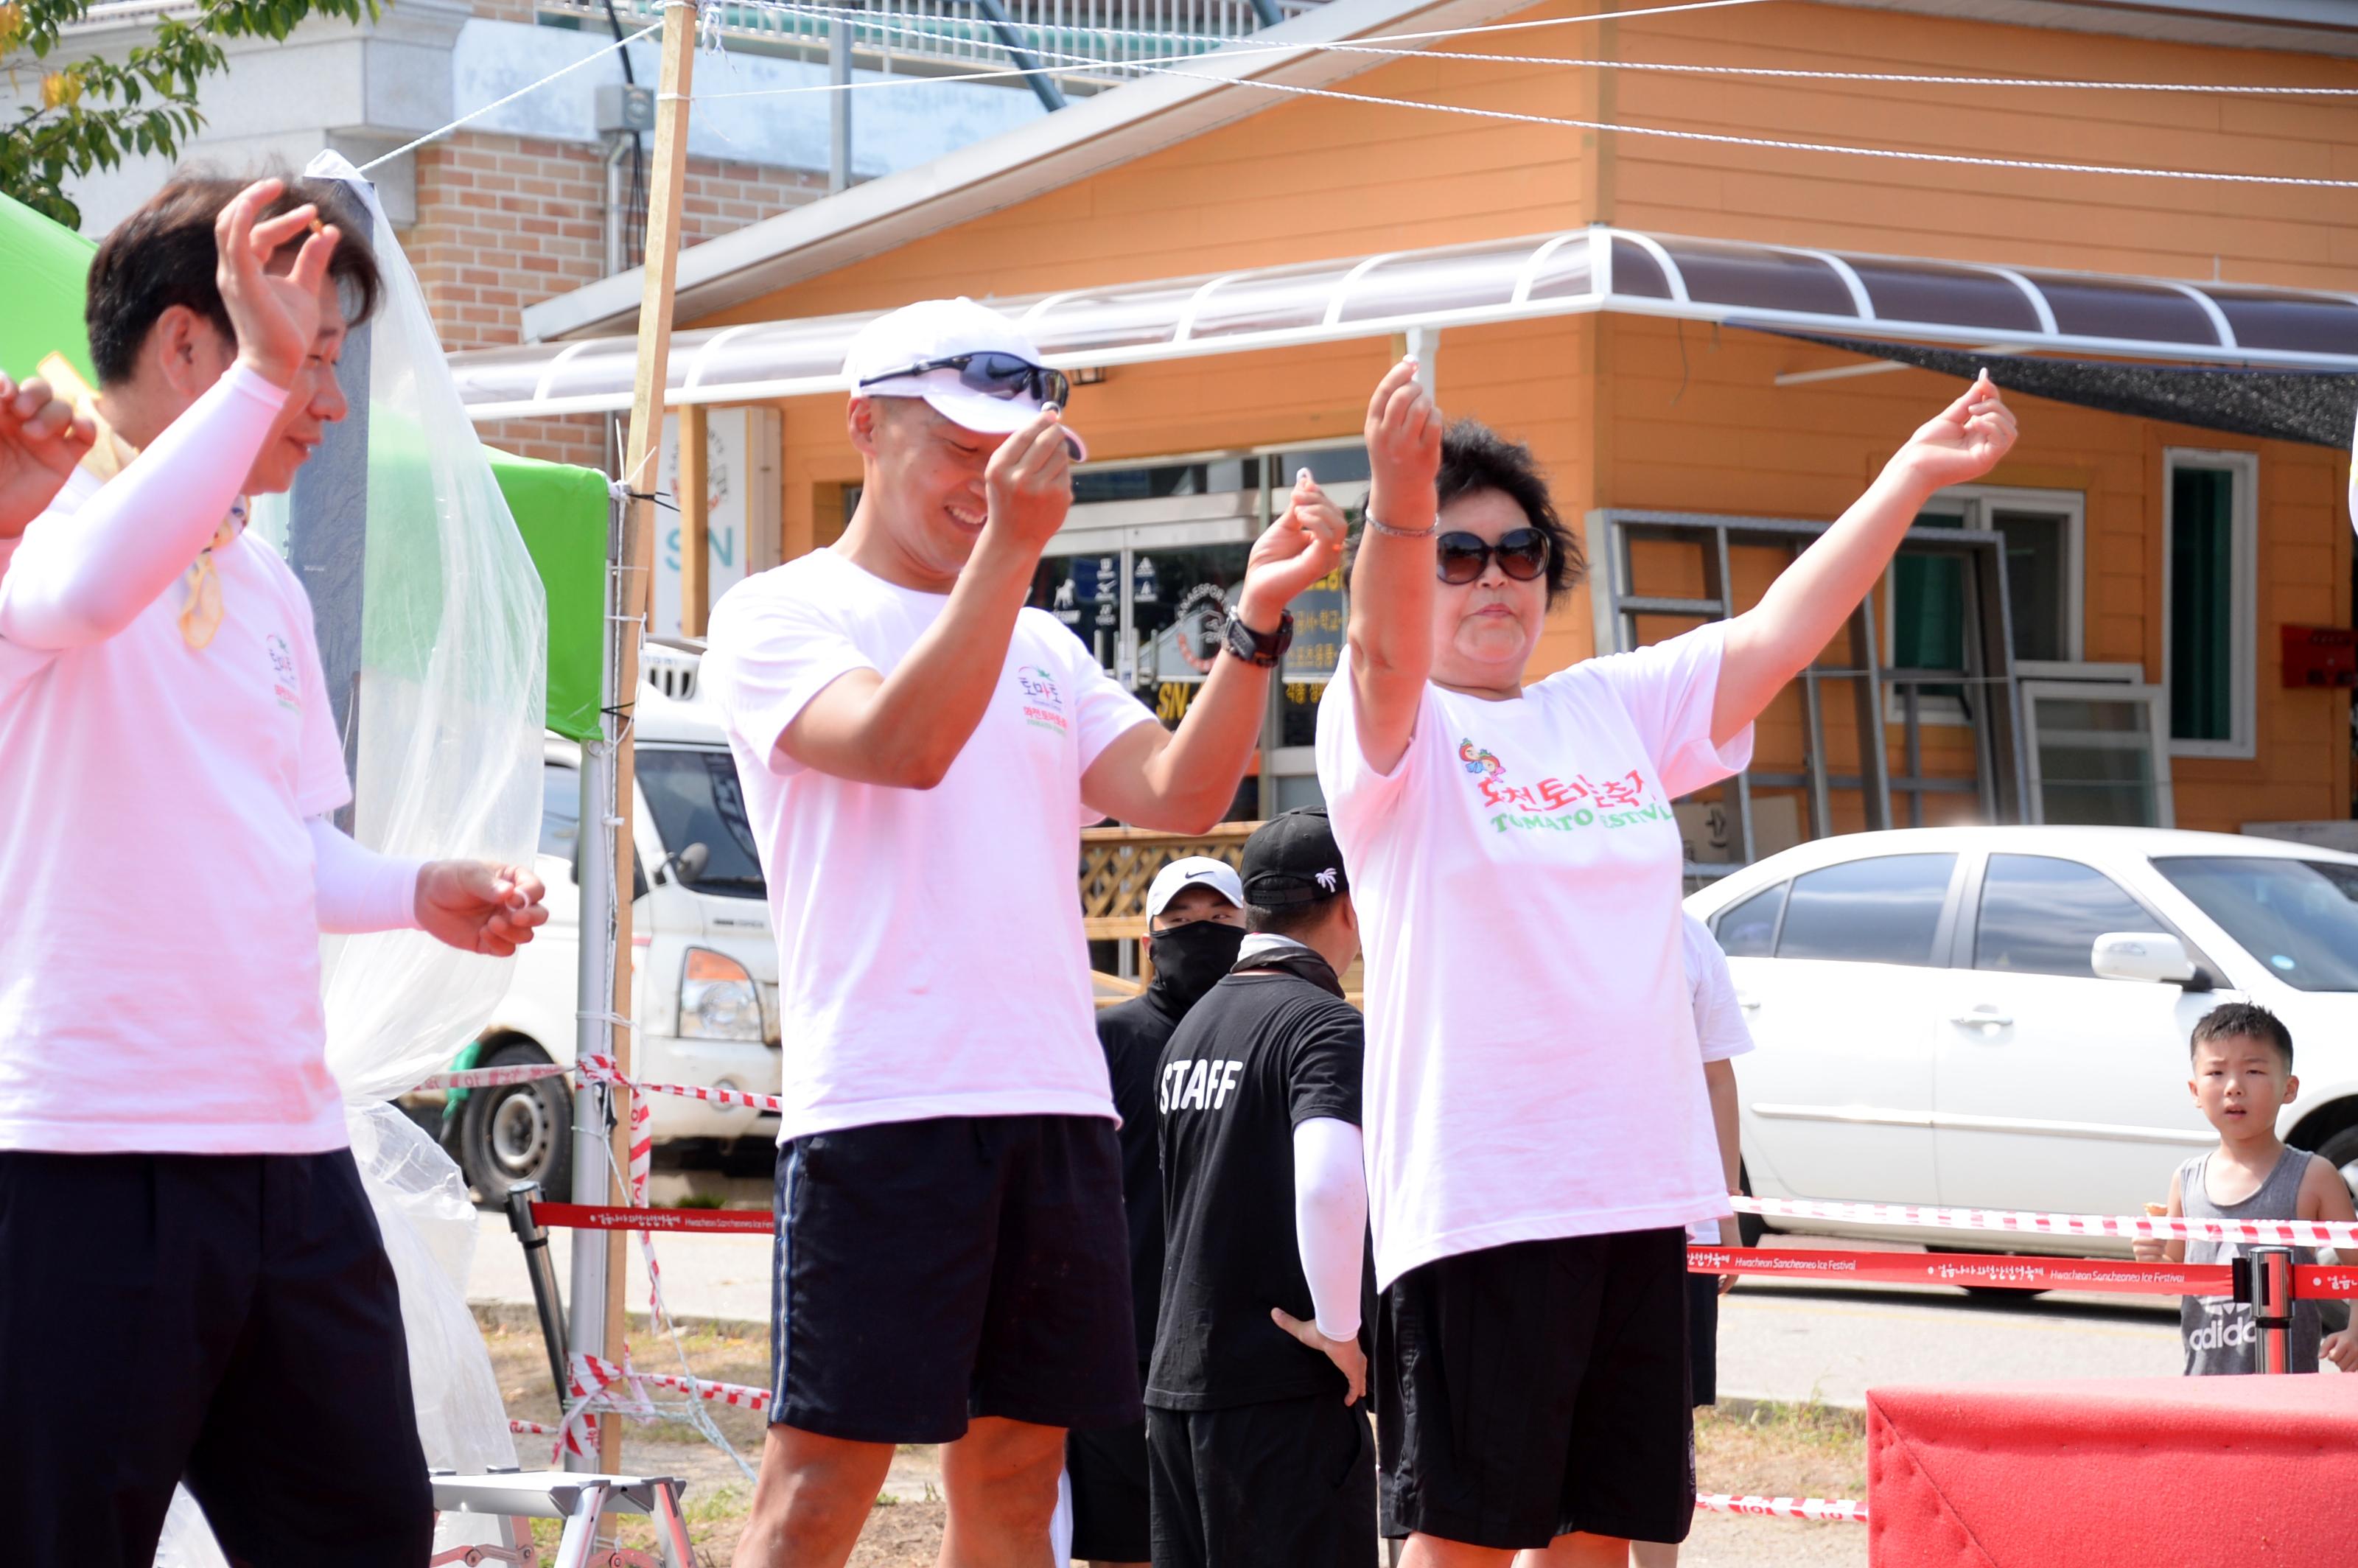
(931, 1271)
(1540, 1389)
(1109, 1495)
(1291, 1483)
(1703, 1338)
(229, 1320)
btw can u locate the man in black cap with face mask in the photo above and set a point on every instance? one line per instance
(1195, 918)
(1258, 1444)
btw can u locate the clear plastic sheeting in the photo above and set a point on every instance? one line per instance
(449, 712)
(1577, 272)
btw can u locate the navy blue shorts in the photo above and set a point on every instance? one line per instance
(229, 1320)
(931, 1271)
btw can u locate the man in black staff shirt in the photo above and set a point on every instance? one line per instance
(1194, 913)
(1258, 1448)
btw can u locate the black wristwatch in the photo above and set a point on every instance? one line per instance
(1254, 648)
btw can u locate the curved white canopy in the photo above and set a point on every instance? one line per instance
(1583, 270)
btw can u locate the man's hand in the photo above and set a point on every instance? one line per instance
(277, 318)
(1731, 1236)
(1349, 1359)
(1030, 482)
(1403, 434)
(1963, 442)
(1293, 552)
(479, 907)
(2341, 1349)
(41, 439)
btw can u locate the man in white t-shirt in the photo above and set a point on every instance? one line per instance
(918, 753)
(1721, 1034)
(1538, 1131)
(195, 1289)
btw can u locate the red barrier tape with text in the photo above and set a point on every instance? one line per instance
(2265, 1232)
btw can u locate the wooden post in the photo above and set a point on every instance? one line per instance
(695, 499)
(638, 561)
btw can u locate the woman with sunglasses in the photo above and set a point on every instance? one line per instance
(1538, 1131)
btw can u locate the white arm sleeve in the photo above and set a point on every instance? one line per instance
(1330, 1219)
(83, 582)
(358, 890)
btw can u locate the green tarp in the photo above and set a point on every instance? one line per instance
(560, 511)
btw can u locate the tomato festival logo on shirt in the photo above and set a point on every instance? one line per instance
(284, 683)
(1559, 806)
(1043, 705)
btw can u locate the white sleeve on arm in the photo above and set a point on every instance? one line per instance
(80, 579)
(357, 889)
(1330, 1219)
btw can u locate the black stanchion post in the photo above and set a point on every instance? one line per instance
(2272, 1307)
(544, 1298)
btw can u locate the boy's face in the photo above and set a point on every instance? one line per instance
(2240, 1083)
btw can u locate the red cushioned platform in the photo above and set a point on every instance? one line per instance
(2114, 1473)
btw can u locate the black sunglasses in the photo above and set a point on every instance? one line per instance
(1460, 556)
(995, 376)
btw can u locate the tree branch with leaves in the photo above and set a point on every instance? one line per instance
(89, 114)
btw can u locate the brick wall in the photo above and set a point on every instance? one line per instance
(506, 222)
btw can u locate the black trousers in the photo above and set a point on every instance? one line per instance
(1288, 1484)
(229, 1321)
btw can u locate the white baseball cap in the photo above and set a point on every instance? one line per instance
(899, 355)
(1190, 871)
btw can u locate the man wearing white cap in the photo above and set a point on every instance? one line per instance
(1196, 926)
(918, 752)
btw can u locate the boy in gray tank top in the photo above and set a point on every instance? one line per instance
(2241, 1058)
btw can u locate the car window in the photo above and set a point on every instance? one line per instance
(695, 799)
(2041, 915)
(1881, 910)
(1750, 930)
(2299, 917)
(561, 809)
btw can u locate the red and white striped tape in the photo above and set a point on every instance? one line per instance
(2276, 1232)
(495, 1077)
(1843, 1510)
(531, 1429)
(600, 1070)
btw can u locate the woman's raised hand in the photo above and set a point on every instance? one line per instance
(1403, 436)
(1963, 441)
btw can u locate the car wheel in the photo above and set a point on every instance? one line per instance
(2341, 1151)
(517, 1133)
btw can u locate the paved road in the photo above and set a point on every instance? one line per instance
(1778, 1339)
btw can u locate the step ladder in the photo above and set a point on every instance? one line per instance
(577, 1497)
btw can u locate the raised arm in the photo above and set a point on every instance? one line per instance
(907, 728)
(1771, 643)
(1392, 580)
(1179, 781)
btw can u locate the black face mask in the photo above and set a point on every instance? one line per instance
(1190, 960)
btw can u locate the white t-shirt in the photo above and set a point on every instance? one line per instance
(160, 955)
(1719, 1025)
(1532, 1064)
(930, 958)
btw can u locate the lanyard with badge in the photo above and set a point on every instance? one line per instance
(201, 611)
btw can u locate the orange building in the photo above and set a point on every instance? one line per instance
(1229, 259)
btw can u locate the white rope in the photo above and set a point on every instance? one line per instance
(1237, 48)
(503, 102)
(1566, 122)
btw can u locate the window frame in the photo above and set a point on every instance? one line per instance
(2156, 698)
(1977, 501)
(1967, 955)
(2243, 608)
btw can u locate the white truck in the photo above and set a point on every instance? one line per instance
(704, 961)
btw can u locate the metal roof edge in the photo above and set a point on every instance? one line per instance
(1099, 133)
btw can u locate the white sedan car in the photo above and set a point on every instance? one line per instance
(1998, 1017)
